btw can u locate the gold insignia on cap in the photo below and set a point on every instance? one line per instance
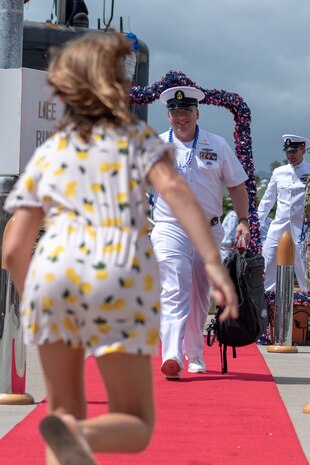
(288, 141)
(179, 95)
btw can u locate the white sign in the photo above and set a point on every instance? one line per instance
(28, 116)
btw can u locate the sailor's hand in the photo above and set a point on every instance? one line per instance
(244, 230)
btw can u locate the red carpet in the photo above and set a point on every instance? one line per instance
(212, 419)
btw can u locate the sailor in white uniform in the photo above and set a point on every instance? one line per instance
(208, 165)
(287, 188)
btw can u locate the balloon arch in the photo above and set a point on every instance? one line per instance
(242, 133)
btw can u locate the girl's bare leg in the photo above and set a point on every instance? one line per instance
(63, 370)
(129, 424)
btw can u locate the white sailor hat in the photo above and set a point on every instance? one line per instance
(293, 142)
(181, 96)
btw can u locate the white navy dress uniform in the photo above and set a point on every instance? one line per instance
(287, 188)
(207, 164)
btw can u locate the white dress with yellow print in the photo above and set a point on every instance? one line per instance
(93, 280)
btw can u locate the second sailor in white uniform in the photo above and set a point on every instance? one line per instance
(287, 188)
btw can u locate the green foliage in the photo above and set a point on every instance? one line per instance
(274, 165)
(227, 204)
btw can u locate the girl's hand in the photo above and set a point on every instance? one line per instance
(223, 290)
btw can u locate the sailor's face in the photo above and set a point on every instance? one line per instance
(295, 157)
(183, 122)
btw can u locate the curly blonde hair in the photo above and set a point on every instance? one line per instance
(88, 73)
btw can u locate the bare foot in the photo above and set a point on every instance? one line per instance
(63, 435)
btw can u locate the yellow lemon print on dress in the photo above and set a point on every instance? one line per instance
(47, 199)
(156, 307)
(97, 187)
(133, 183)
(153, 336)
(68, 297)
(112, 304)
(115, 167)
(97, 137)
(33, 328)
(70, 325)
(84, 248)
(53, 256)
(148, 132)
(139, 317)
(59, 208)
(122, 146)
(106, 306)
(71, 229)
(133, 334)
(144, 231)
(73, 276)
(30, 183)
(70, 190)
(119, 304)
(60, 170)
(49, 277)
(39, 161)
(54, 328)
(114, 348)
(127, 283)
(101, 272)
(46, 165)
(148, 282)
(27, 311)
(91, 231)
(149, 252)
(76, 345)
(135, 264)
(111, 222)
(104, 167)
(92, 341)
(62, 144)
(121, 197)
(104, 328)
(71, 215)
(88, 205)
(85, 288)
(82, 154)
(132, 133)
(122, 200)
(110, 247)
(46, 303)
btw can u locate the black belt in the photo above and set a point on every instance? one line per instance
(214, 220)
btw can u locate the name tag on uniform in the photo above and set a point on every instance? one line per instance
(207, 154)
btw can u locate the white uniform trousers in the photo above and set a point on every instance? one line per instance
(185, 294)
(270, 250)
